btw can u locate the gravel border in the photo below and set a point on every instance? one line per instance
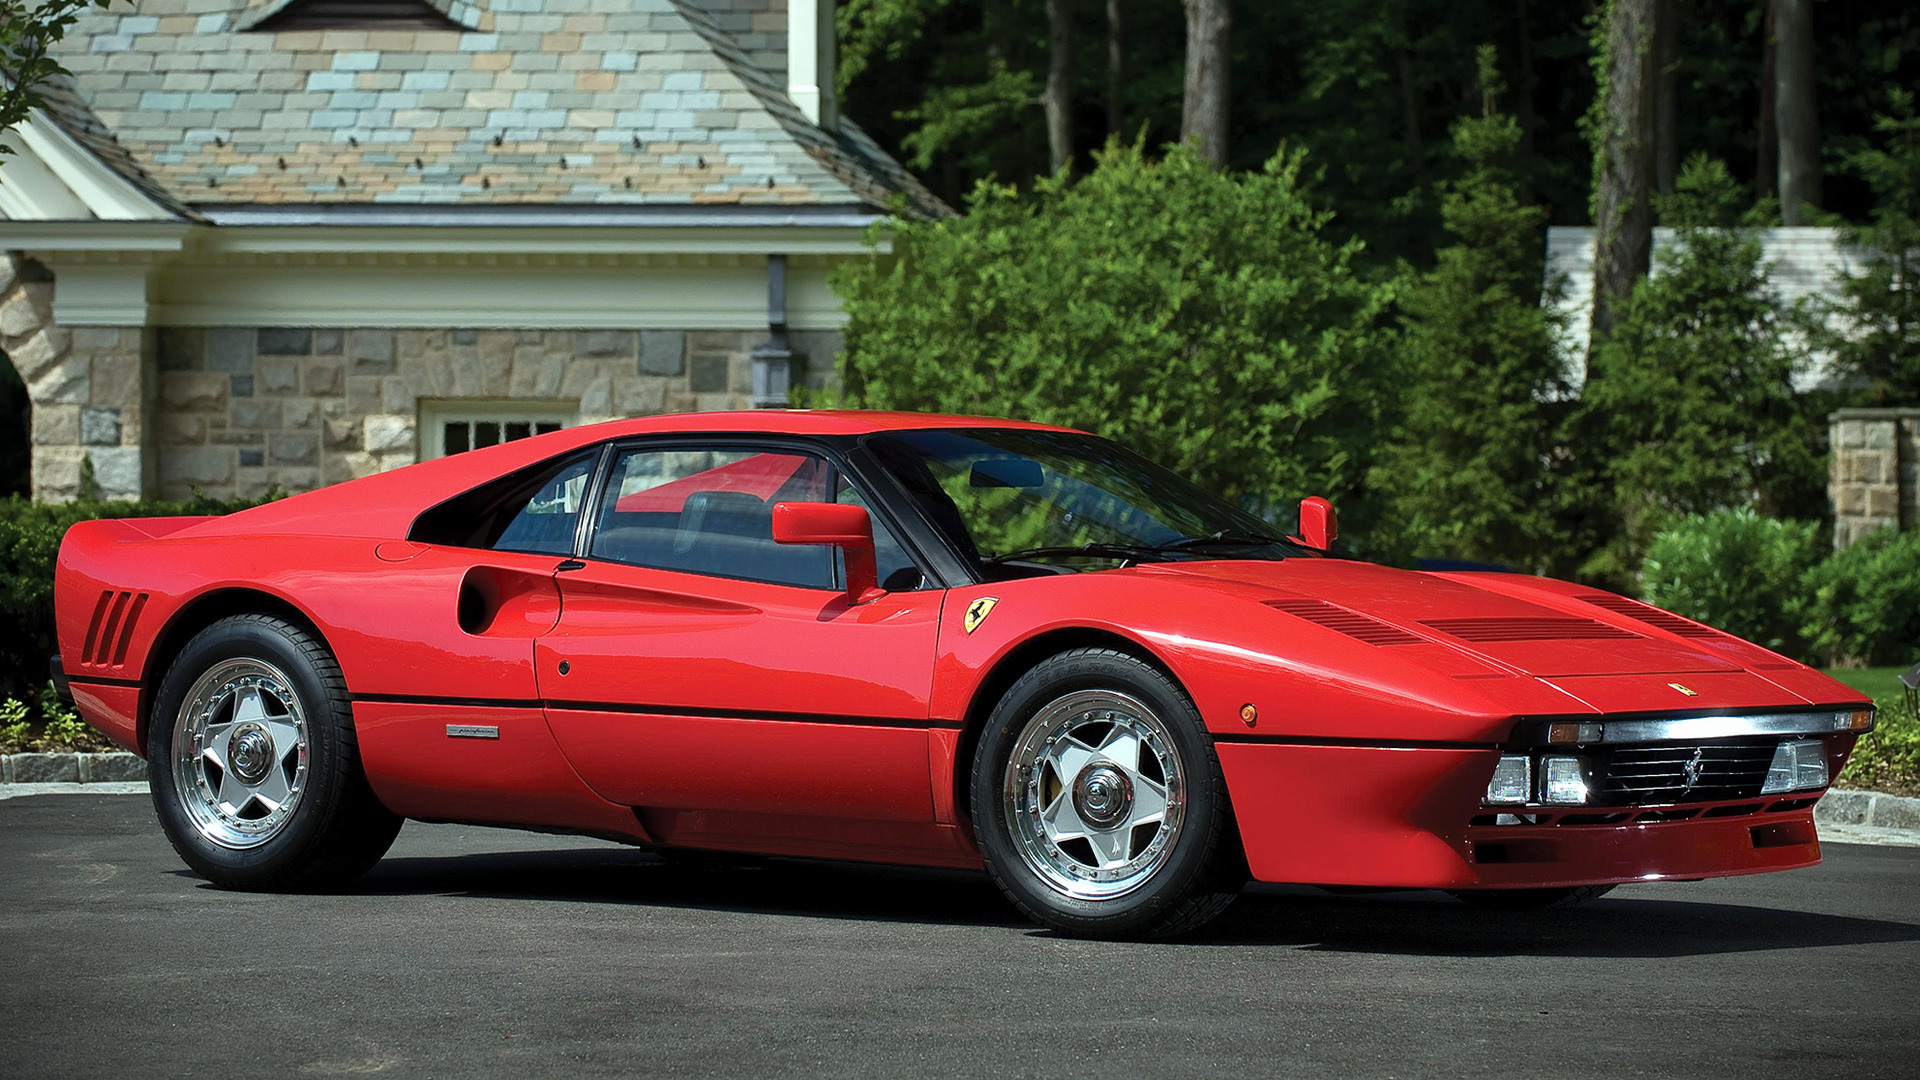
(72, 768)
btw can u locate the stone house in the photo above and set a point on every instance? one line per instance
(290, 242)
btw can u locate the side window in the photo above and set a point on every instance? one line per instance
(545, 522)
(534, 510)
(711, 512)
(897, 571)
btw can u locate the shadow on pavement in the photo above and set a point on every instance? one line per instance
(1394, 923)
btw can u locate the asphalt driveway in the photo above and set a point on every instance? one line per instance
(475, 952)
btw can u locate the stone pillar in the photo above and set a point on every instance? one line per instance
(89, 386)
(1875, 472)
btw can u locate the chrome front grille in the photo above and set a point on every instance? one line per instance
(1669, 773)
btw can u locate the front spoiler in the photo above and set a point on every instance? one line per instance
(1402, 817)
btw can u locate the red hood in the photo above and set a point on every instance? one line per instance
(1569, 638)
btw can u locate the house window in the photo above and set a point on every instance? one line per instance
(353, 15)
(454, 427)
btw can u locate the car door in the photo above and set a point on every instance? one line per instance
(698, 666)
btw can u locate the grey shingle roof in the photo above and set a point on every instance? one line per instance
(551, 101)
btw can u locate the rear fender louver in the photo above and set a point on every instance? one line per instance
(1351, 623)
(110, 631)
(1487, 630)
(1652, 616)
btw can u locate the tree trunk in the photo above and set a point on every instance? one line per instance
(1523, 95)
(1794, 113)
(1623, 211)
(1666, 113)
(1409, 97)
(1766, 156)
(1116, 111)
(1203, 109)
(1058, 98)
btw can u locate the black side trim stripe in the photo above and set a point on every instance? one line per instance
(98, 681)
(653, 710)
(1363, 744)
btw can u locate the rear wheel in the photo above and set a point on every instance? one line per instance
(1530, 899)
(1099, 803)
(256, 772)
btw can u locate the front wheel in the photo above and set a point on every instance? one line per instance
(256, 771)
(1099, 803)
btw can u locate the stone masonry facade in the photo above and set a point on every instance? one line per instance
(89, 387)
(242, 410)
(1875, 479)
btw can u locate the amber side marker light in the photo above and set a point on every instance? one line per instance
(1570, 731)
(1860, 720)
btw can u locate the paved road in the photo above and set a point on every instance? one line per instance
(474, 952)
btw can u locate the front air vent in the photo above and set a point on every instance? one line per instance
(1487, 630)
(1652, 616)
(1351, 623)
(111, 629)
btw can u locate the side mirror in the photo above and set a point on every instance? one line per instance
(1318, 526)
(834, 525)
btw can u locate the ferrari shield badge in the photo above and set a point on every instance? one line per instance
(1687, 690)
(978, 611)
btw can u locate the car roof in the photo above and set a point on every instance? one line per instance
(386, 503)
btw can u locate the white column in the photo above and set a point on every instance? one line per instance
(810, 60)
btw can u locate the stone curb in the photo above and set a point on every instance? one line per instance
(1870, 808)
(71, 768)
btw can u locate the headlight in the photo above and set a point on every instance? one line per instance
(1563, 781)
(1799, 765)
(1512, 780)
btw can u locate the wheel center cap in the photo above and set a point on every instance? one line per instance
(1102, 795)
(250, 754)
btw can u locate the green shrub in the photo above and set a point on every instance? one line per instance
(30, 535)
(1877, 336)
(1888, 759)
(1689, 404)
(1863, 602)
(1462, 475)
(1202, 317)
(1735, 570)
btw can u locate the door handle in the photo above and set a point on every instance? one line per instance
(570, 564)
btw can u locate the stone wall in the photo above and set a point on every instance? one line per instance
(90, 388)
(1875, 480)
(242, 410)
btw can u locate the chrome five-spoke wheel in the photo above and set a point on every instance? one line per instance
(1094, 794)
(1098, 801)
(240, 764)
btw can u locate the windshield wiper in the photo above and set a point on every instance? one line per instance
(1228, 537)
(1102, 551)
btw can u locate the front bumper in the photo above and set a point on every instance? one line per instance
(1412, 817)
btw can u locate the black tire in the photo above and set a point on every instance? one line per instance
(1530, 899)
(1202, 870)
(334, 830)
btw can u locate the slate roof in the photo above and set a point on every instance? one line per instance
(516, 102)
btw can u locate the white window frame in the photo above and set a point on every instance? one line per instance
(436, 414)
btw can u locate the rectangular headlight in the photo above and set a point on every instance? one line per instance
(1797, 765)
(1512, 780)
(1563, 781)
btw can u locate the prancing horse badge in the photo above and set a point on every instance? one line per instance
(977, 612)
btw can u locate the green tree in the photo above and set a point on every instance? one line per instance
(28, 33)
(1466, 472)
(1202, 317)
(1691, 408)
(1878, 310)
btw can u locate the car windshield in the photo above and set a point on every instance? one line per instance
(1023, 502)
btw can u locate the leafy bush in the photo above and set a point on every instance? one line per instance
(1462, 476)
(1199, 316)
(30, 535)
(1690, 401)
(1862, 605)
(1735, 570)
(1878, 338)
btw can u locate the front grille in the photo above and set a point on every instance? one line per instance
(1671, 773)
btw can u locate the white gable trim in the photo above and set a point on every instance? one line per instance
(59, 180)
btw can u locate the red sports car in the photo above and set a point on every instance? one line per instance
(933, 640)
